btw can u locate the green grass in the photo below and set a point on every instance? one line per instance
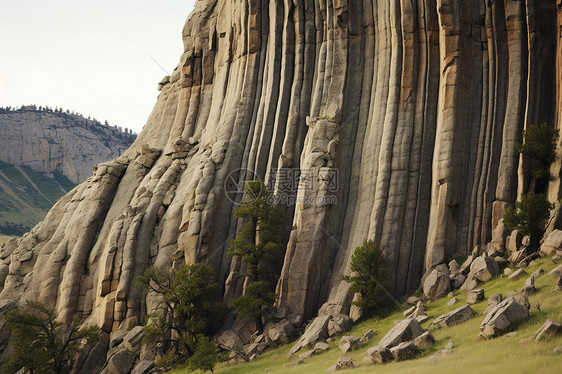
(26, 196)
(471, 354)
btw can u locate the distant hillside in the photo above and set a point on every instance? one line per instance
(57, 141)
(43, 154)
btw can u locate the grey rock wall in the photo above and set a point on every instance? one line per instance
(415, 104)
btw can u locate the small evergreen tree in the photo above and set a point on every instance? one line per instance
(529, 217)
(260, 245)
(539, 143)
(369, 279)
(40, 343)
(190, 303)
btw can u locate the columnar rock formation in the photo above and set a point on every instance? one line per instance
(416, 106)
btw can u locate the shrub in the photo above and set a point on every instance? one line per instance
(41, 343)
(529, 217)
(369, 280)
(539, 143)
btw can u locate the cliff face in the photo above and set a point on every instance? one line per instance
(57, 142)
(414, 105)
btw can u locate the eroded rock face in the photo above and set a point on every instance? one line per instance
(416, 107)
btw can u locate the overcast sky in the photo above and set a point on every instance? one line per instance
(92, 56)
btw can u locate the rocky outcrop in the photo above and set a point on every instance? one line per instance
(58, 142)
(390, 113)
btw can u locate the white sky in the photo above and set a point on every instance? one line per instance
(89, 56)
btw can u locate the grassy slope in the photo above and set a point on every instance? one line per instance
(471, 354)
(21, 202)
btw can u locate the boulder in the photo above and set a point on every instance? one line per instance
(484, 268)
(457, 281)
(470, 283)
(424, 340)
(437, 283)
(465, 267)
(453, 301)
(517, 274)
(422, 318)
(538, 273)
(367, 336)
(507, 272)
(413, 300)
(552, 243)
(495, 299)
(475, 295)
(281, 332)
(529, 287)
(501, 261)
(315, 332)
(454, 266)
(380, 355)
(405, 351)
(120, 363)
(558, 350)
(404, 331)
(502, 316)
(349, 343)
(133, 339)
(321, 347)
(549, 328)
(513, 243)
(338, 324)
(455, 317)
(143, 367)
(557, 271)
(558, 286)
(306, 355)
(343, 363)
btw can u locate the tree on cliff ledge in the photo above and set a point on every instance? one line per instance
(259, 244)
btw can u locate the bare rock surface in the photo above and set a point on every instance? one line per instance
(502, 316)
(455, 317)
(404, 331)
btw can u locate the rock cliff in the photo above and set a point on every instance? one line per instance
(400, 117)
(58, 142)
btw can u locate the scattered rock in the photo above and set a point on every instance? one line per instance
(405, 351)
(321, 347)
(475, 295)
(529, 287)
(424, 340)
(512, 293)
(557, 271)
(500, 261)
(556, 258)
(470, 283)
(349, 343)
(511, 334)
(558, 350)
(413, 300)
(409, 311)
(458, 281)
(406, 330)
(422, 318)
(484, 268)
(495, 299)
(380, 355)
(538, 273)
(552, 242)
(338, 324)
(367, 336)
(343, 363)
(465, 267)
(502, 316)
(507, 272)
(437, 283)
(550, 328)
(315, 332)
(121, 362)
(454, 266)
(281, 332)
(450, 295)
(453, 301)
(517, 274)
(306, 355)
(558, 285)
(455, 317)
